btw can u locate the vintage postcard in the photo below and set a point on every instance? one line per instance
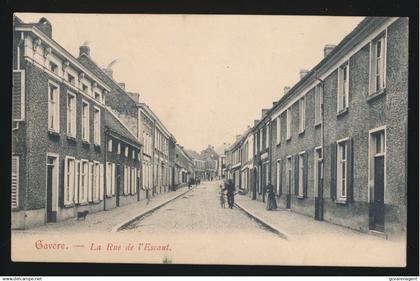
(210, 139)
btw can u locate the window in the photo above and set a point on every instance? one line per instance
(110, 145)
(85, 121)
(133, 180)
(278, 177)
(15, 182)
(377, 64)
(261, 139)
(84, 175)
(302, 115)
(126, 180)
(97, 126)
(267, 135)
(91, 181)
(71, 115)
(342, 170)
(69, 180)
(96, 179)
(133, 154)
(118, 148)
(126, 151)
(288, 124)
(85, 88)
(289, 174)
(318, 104)
(71, 79)
(343, 88)
(301, 174)
(53, 67)
(98, 96)
(53, 108)
(77, 182)
(110, 179)
(278, 132)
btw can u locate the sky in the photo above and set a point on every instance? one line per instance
(207, 77)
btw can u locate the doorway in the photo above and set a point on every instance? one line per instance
(254, 184)
(377, 181)
(289, 182)
(52, 188)
(318, 184)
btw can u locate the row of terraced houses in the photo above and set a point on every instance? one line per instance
(80, 140)
(334, 146)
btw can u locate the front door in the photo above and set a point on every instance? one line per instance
(52, 189)
(254, 184)
(318, 184)
(118, 188)
(289, 183)
(377, 212)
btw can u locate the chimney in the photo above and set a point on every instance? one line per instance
(286, 89)
(263, 112)
(238, 137)
(303, 73)
(84, 50)
(45, 26)
(135, 96)
(256, 122)
(122, 85)
(328, 48)
(108, 71)
(274, 103)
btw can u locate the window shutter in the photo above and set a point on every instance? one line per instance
(350, 161)
(101, 182)
(333, 185)
(62, 183)
(90, 185)
(15, 182)
(18, 113)
(305, 175)
(72, 182)
(76, 181)
(297, 174)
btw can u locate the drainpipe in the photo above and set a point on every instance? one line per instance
(105, 167)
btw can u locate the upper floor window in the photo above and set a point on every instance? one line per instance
(71, 79)
(98, 96)
(318, 104)
(118, 148)
(343, 88)
(377, 64)
(85, 121)
(71, 115)
(288, 124)
(53, 107)
(97, 126)
(126, 151)
(110, 145)
(85, 89)
(53, 67)
(302, 115)
(267, 135)
(278, 130)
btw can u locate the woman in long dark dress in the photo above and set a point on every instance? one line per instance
(271, 197)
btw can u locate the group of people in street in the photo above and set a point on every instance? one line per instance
(193, 181)
(229, 187)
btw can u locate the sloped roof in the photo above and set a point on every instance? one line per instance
(117, 127)
(192, 154)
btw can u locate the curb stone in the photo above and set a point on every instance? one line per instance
(120, 226)
(274, 229)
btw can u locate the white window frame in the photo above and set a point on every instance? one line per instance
(371, 149)
(339, 162)
(288, 124)
(118, 148)
(76, 181)
(343, 86)
(96, 125)
(71, 114)
(109, 145)
(126, 151)
(373, 70)
(278, 175)
(316, 171)
(69, 174)
(301, 171)
(96, 181)
(267, 135)
(54, 108)
(85, 121)
(84, 173)
(289, 176)
(302, 109)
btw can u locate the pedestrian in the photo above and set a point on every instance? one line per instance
(230, 188)
(271, 197)
(190, 183)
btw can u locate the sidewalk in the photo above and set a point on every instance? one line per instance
(106, 221)
(314, 238)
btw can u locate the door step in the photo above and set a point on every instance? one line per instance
(378, 234)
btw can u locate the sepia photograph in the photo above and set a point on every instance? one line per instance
(210, 139)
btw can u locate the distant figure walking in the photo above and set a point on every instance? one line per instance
(190, 183)
(271, 197)
(230, 188)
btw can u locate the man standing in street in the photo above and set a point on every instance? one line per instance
(230, 188)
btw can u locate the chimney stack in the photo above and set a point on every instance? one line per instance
(286, 89)
(108, 71)
(45, 26)
(274, 103)
(328, 48)
(303, 73)
(263, 112)
(84, 50)
(122, 85)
